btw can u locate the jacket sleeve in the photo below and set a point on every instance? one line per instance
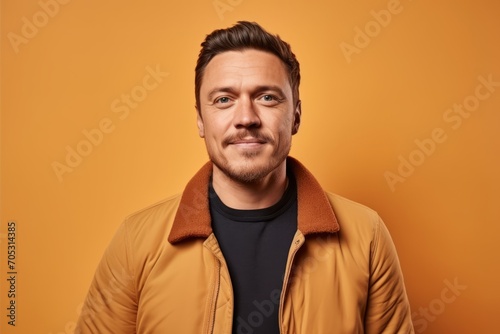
(111, 302)
(388, 309)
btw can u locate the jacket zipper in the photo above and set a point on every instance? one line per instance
(215, 293)
(296, 245)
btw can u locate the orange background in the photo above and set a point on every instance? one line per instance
(362, 114)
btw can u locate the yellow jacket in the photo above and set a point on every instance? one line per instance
(165, 273)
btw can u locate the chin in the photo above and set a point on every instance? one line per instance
(249, 169)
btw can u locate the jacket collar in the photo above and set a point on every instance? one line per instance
(192, 220)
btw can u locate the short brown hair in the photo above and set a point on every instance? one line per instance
(241, 36)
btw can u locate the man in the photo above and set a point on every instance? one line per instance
(253, 244)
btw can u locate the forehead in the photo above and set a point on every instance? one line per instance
(245, 68)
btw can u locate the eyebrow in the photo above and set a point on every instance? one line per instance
(257, 89)
(221, 90)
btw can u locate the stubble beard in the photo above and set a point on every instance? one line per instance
(250, 171)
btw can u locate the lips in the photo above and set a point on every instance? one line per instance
(247, 141)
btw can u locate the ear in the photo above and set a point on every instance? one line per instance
(199, 122)
(296, 117)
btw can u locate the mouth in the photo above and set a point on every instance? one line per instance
(247, 143)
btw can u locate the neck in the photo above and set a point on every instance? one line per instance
(249, 196)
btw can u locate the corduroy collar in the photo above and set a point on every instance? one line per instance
(192, 220)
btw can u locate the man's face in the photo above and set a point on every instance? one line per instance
(246, 113)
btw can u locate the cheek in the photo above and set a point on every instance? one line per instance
(284, 126)
(213, 131)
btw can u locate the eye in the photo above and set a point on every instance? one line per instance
(269, 100)
(223, 102)
(223, 99)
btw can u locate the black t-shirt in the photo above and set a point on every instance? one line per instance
(255, 244)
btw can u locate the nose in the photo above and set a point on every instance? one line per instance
(245, 114)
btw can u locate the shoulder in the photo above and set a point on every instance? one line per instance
(354, 218)
(152, 222)
(345, 206)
